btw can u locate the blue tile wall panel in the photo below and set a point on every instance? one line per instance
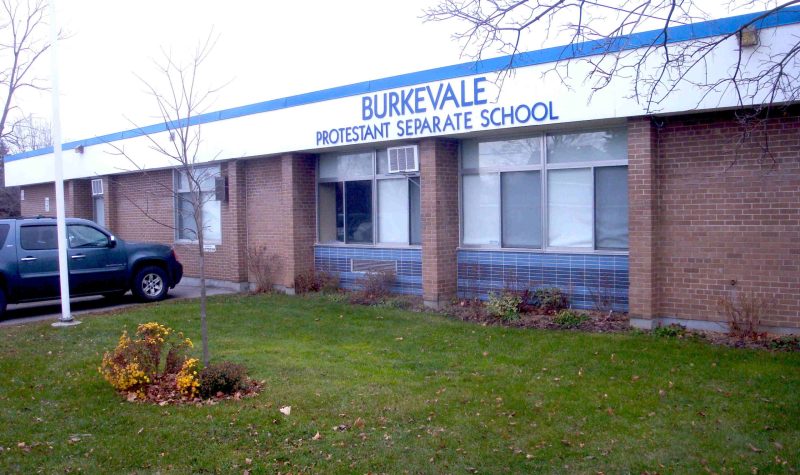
(337, 260)
(587, 278)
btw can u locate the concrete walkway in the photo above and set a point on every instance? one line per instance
(51, 309)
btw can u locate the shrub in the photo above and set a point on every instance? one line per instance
(316, 281)
(377, 285)
(570, 319)
(550, 300)
(743, 313)
(225, 378)
(187, 380)
(264, 266)
(137, 362)
(786, 343)
(669, 331)
(504, 305)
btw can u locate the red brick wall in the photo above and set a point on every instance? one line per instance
(725, 212)
(33, 204)
(642, 199)
(281, 211)
(440, 223)
(143, 209)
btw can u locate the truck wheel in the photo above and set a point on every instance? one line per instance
(150, 284)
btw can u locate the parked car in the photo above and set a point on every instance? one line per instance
(99, 263)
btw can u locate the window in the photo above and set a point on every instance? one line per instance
(205, 197)
(81, 236)
(38, 238)
(360, 202)
(4, 228)
(559, 191)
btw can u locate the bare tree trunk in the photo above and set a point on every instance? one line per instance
(203, 325)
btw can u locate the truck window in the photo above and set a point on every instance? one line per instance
(3, 234)
(38, 238)
(85, 236)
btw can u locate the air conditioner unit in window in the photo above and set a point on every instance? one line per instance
(403, 159)
(97, 187)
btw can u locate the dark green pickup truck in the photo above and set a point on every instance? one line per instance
(99, 264)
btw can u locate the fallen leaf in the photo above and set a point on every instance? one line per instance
(286, 410)
(399, 338)
(754, 448)
(248, 461)
(359, 422)
(140, 431)
(317, 436)
(634, 378)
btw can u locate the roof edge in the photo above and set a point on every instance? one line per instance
(676, 34)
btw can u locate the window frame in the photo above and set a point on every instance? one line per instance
(543, 167)
(374, 178)
(176, 202)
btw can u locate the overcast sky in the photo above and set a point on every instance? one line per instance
(265, 50)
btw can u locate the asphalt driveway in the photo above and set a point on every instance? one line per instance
(51, 309)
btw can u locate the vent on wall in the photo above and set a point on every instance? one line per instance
(372, 266)
(97, 187)
(403, 159)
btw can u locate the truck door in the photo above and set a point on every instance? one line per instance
(95, 264)
(38, 261)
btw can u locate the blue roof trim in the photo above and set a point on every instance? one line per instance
(722, 26)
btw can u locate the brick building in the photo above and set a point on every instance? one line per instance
(461, 189)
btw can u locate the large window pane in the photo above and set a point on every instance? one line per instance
(522, 209)
(481, 202)
(569, 207)
(588, 147)
(393, 205)
(358, 211)
(415, 212)
(506, 153)
(611, 207)
(331, 212)
(356, 165)
(212, 218)
(187, 227)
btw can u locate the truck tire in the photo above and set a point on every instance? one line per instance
(150, 284)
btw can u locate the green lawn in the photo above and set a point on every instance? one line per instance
(436, 396)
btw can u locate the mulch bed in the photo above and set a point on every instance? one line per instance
(162, 391)
(474, 310)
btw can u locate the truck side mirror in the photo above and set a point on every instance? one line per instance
(112, 241)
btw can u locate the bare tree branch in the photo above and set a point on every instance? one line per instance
(179, 99)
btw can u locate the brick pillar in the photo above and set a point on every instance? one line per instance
(642, 214)
(297, 202)
(234, 224)
(439, 179)
(69, 199)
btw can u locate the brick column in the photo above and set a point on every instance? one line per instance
(642, 214)
(298, 220)
(440, 230)
(234, 224)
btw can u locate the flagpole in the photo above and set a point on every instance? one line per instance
(61, 225)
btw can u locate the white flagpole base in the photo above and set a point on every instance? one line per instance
(66, 323)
